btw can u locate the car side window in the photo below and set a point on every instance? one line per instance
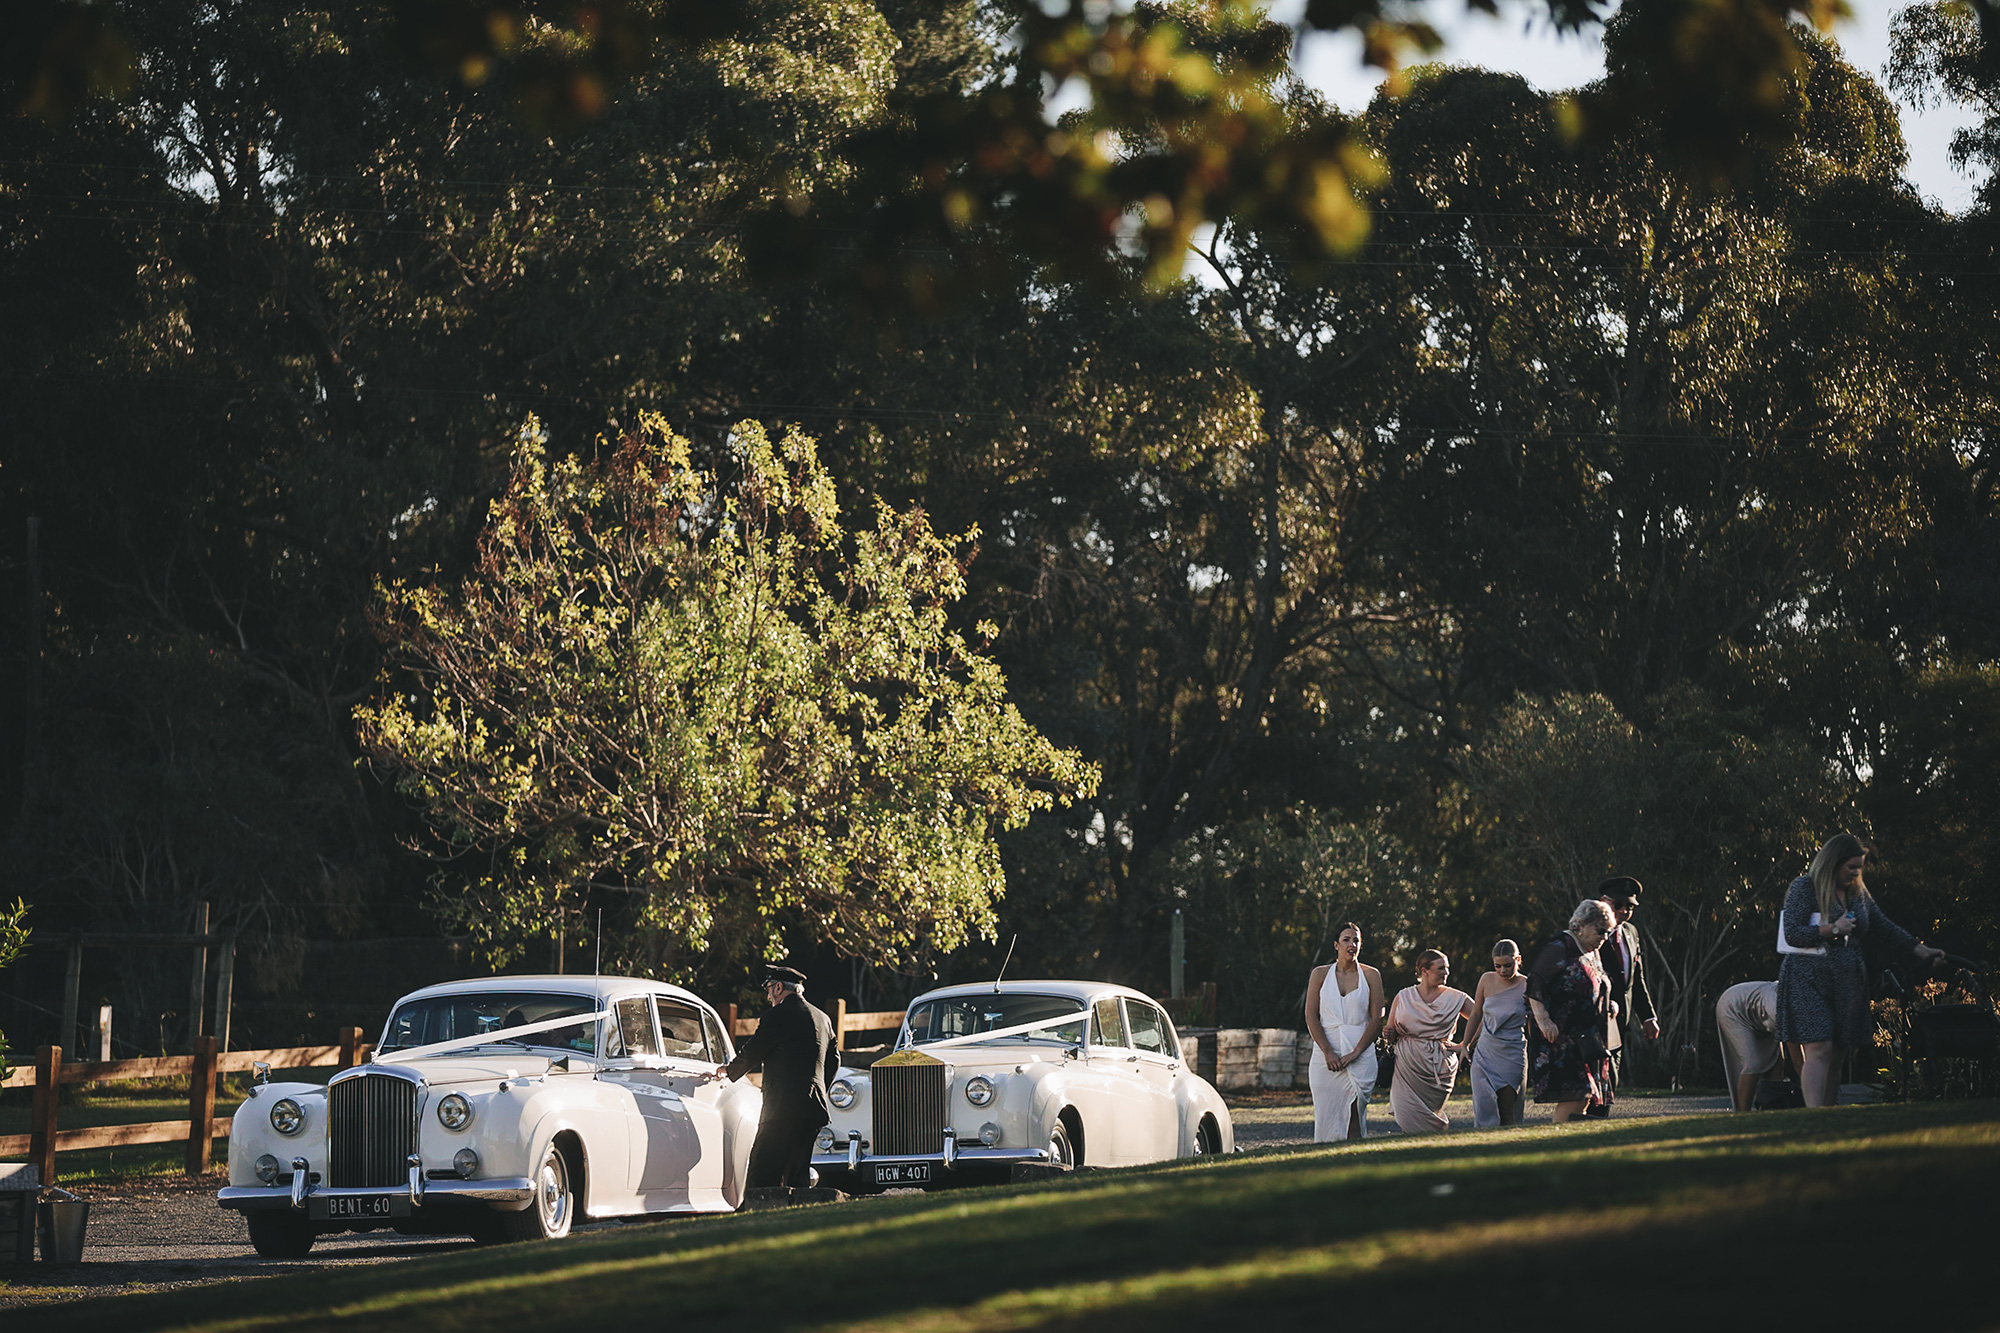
(632, 1029)
(682, 1033)
(1149, 1027)
(720, 1048)
(1107, 1023)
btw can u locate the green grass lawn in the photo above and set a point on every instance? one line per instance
(1837, 1218)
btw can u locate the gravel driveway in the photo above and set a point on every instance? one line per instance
(151, 1233)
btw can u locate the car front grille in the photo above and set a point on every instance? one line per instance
(371, 1131)
(909, 1108)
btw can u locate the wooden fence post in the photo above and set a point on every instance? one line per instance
(201, 1107)
(729, 1020)
(42, 1126)
(839, 1023)
(350, 1043)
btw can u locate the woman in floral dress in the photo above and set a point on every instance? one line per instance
(1569, 1063)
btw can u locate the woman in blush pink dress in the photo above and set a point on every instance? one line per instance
(1423, 1020)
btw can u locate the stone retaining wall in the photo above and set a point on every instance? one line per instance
(1245, 1059)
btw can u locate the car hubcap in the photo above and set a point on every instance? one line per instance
(554, 1192)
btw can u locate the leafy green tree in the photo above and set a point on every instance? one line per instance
(712, 696)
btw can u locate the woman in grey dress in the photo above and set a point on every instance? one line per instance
(1497, 1040)
(1823, 988)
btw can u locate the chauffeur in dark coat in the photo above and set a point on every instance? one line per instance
(1624, 967)
(795, 1047)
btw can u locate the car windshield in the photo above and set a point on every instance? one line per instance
(444, 1017)
(970, 1015)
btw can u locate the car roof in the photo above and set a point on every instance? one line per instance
(1080, 991)
(599, 988)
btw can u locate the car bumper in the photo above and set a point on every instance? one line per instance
(505, 1189)
(966, 1163)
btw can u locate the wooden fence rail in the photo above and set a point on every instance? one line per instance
(199, 1128)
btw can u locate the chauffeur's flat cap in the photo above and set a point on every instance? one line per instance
(1621, 889)
(789, 976)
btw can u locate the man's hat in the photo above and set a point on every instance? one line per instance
(1621, 889)
(785, 976)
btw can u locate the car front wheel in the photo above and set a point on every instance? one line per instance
(1062, 1152)
(281, 1234)
(549, 1215)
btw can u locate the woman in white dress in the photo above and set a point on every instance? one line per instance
(1423, 1021)
(1344, 1016)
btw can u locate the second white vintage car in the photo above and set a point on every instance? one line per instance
(989, 1076)
(502, 1109)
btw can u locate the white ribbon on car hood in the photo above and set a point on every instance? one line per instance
(495, 1037)
(997, 1033)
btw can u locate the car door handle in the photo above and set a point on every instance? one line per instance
(1131, 1059)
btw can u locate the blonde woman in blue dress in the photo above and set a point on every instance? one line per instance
(1344, 1013)
(1496, 1040)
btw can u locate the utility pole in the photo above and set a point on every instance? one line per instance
(31, 693)
(1177, 958)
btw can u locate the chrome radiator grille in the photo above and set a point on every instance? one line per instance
(909, 1108)
(371, 1130)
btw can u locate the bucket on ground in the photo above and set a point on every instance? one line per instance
(60, 1220)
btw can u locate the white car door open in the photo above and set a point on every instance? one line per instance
(664, 1146)
(685, 1075)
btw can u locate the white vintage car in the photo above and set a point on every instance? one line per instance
(502, 1109)
(989, 1076)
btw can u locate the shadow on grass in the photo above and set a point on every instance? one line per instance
(1692, 1215)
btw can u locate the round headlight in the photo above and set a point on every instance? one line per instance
(454, 1112)
(824, 1143)
(841, 1093)
(979, 1090)
(267, 1169)
(989, 1134)
(465, 1162)
(287, 1117)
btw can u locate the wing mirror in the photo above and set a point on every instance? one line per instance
(260, 1071)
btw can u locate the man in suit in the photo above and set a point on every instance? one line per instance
(1624, 968)
(796, 1049)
